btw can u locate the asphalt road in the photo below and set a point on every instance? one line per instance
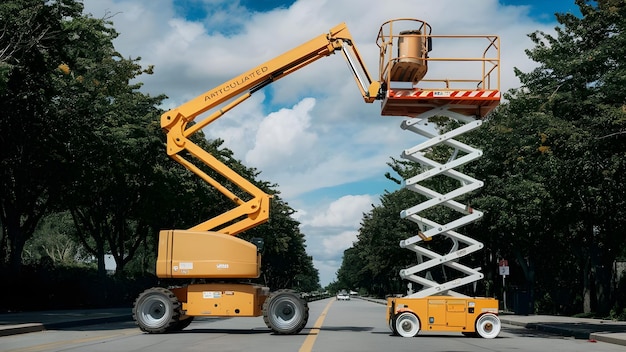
(354, 325)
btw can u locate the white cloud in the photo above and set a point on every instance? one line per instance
(283, 134)
(335, 245)
(333, 228)
(346, 211)
(327, 269)
(319, 133)
(239, 127)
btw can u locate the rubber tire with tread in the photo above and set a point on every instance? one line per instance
(182, 324)
(407, 324)
(285, 312)
(157, 310)
(488, 326)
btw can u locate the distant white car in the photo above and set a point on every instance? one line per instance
(342, 296)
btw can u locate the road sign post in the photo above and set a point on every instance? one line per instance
(503, 266)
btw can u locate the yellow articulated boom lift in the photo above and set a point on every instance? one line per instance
(218, 262)
(210, 252)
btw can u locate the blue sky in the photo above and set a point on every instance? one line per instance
(541, 10)
(544, 10)
(310, 132)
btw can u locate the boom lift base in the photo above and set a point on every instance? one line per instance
(159, 310)
(222, 299)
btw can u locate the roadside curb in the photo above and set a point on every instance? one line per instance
(608, 338)
(7, 330)
(374, 300)
(89, 321)
(547, 328)
(21, 329)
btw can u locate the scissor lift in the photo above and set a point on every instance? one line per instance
(415, 91)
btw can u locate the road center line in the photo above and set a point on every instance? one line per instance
(307, 345)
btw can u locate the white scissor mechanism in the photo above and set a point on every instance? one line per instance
(461, 244)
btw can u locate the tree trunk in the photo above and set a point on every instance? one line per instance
(603, 264)
(102, 271)
(4, 248)
(16, 242)
(529, 274)
(588, 293)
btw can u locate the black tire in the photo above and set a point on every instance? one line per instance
(157, 310)
(285, 312)
(182, 324)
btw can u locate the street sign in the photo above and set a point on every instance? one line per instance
(503, 265)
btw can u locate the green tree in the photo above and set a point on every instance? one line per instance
(33, 41)
(518, 199)
(554, 159)
(553, 167)
(79, 136)
(377, 246)
(115, 145)
(55, 238)
(352, 271)
(579, 82)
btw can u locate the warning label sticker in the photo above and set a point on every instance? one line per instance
(211, 294)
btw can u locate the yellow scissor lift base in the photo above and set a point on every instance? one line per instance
(468, 315)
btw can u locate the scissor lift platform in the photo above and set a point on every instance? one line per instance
(468, 84)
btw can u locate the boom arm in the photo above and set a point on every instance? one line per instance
(177, 122)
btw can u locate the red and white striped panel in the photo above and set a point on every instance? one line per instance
(452, 94)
